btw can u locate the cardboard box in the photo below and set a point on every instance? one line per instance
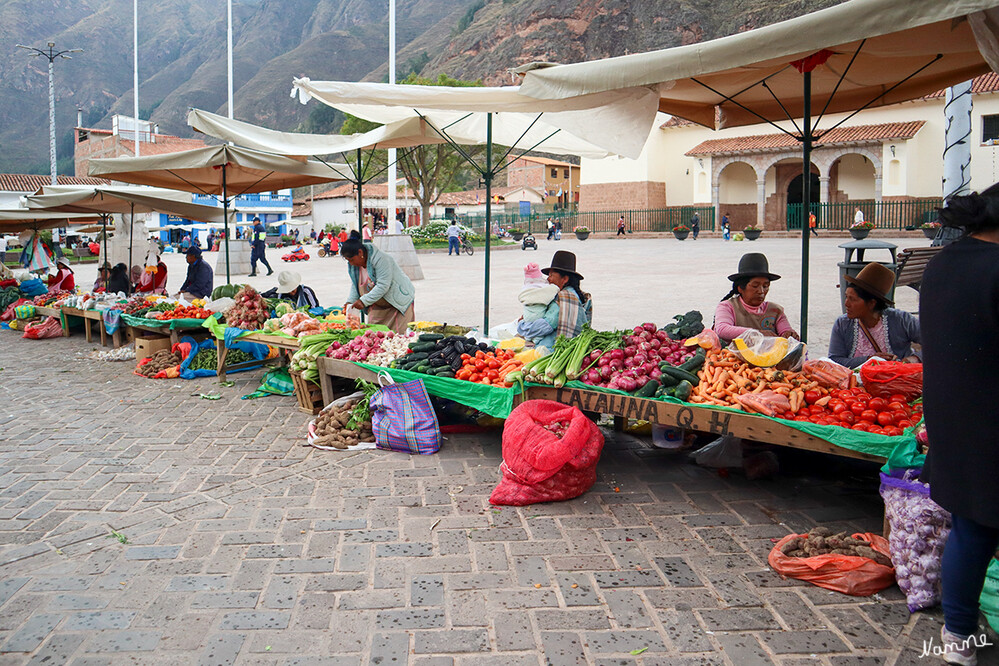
(146, 347)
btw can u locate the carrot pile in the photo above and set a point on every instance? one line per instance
(724, 377)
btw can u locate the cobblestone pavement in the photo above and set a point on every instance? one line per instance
(142, 525)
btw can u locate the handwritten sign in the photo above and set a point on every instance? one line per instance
(654, 411)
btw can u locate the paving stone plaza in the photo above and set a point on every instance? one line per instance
(142, 524)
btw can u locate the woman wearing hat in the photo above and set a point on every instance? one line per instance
(63, 279)
(153, 280)
(870, 327)
(377, 285)
(290, 288)
(575, 307)
(746, 307)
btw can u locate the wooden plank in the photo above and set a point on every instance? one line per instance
(272, 340)
(692, 417)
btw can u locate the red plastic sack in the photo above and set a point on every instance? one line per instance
(8, 314)
(849, 574)
(883, 379)
(537, 465)
(49, 328)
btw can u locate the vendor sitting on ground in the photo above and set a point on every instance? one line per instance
(290, 288)
(870, 326)
(62, 279)
(377, 285)
(575, 306)
(199, 277)
(540, 315)
(746, 307)
(118, 282)
(154, 278)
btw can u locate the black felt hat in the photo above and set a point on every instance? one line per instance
(752, 265)
(563, 262)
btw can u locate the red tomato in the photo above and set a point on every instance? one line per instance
(800, 418)
(895, 406)
(869, 416)
(860, 426)
(876, 430)
(863, 396)
(893, 431)
(811, 397)
(857, 408)
(878, 404)
(815, 410)
(848, 418)
(838, 408)
(815, 419)
(904, 424)
(885, 419)
(897, 416)
(897, 397)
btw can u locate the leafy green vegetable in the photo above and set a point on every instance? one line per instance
(685, 325)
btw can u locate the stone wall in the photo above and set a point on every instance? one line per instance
(740, 216)
(522, 173)
(622, 196)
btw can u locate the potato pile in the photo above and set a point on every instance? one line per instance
(161, 360)
(821, 541)
(332, 430)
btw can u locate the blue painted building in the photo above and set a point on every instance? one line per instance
(268, 206)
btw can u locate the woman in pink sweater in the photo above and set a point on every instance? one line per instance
(746, 307)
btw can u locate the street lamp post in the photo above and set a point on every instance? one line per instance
(51, 54)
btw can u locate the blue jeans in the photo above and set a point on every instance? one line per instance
(966, 558)
(453, 244)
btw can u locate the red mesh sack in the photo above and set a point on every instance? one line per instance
(849, 574)
(537, 465)
(886, 378)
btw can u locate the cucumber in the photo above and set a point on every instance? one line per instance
(668, 380)
(423, 367)
(694, 363)
(430, 337)
(416, 356)
(683, 390)
(444, 371)
(678, 374)
(423, 347)
(647, 391)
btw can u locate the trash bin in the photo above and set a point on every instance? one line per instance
(851, 266)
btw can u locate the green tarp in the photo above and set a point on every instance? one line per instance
(170, 324)
(492, 400)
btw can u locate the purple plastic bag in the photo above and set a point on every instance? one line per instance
(403, 419)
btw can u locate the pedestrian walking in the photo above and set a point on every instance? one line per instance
(558, 230)
(695, 224)
(551, 228)
(726, 228)
(258, 243)
(812, 223)
(620, 226)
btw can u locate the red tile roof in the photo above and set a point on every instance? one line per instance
(21, 182)
(675, 121)
(301, 208)
(986, 83)
(772, 142)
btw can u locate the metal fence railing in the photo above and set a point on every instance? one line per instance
(636, 220)
(885, 214)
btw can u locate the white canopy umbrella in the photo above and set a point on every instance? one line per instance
(855, 55)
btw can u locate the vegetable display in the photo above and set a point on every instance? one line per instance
(311, 347)
(249, 313)
(821, 541)
(434, 354)
(685, 326)
(345, 423)
(567, 360)
(207, 359)
(489, 367)
(372, 347)
(182, 312)
(9, 295)
(646, 349)
(161, 360)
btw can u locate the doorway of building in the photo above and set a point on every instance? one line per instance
(794, 199)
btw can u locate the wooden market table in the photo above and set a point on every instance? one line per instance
(285, 346)
(336, 379)
(89, 317)
(173, 333)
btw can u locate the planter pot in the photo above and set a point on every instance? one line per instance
(752, 234)
(517, 236)
(860, 234)
(680, 235)
(582, 235)
(930, 233)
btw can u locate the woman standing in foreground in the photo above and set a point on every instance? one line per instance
(378, 286)
(959, 313)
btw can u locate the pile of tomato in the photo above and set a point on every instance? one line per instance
(490, 367)
(185, 312)
(857, 409)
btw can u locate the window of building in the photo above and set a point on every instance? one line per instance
(990, 128)
(565, 173)
(554, 173)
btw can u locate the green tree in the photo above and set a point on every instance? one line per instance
(429, 170)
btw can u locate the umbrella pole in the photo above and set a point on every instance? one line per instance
(104, 223)
(488, 176)
(225, 223)
(360, 200)
(806, 199)
(131, 231)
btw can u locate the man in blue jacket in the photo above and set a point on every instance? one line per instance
(258, 241)
(200, 277)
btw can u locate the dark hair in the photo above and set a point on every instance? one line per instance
(350, 247)
(972, 212)
(119, 280)
(574, 284)
(741, 283)
(864, 295)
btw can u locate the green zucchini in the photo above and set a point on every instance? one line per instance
(683, 390)
(430, 337)
(423, 367)
(444, 371)
(423, 347)
(678, 374)
(416, 356)
(667, 380)
(694, 363)
(648, 390)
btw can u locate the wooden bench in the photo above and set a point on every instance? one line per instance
(911, 263)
